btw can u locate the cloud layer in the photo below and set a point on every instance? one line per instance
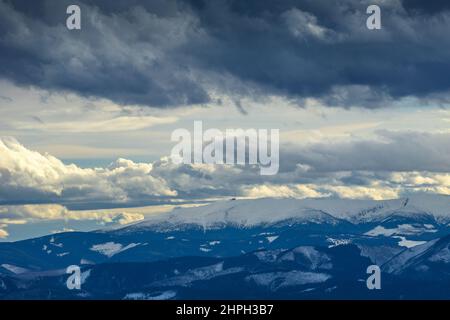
(23, 214)
(172, 53)
(362, 169)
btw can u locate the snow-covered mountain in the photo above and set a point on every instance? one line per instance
(403, 236)
(247, 213)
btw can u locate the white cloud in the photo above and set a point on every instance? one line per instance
(26, 174)
(283, 191)
(3, 233)
(63, 230)
(22, 214)
(374, 192)
(358, 192)
(106, 216)
(124, 123)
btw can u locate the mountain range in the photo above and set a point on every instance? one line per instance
(268, 248)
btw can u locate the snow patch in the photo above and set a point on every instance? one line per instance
(402, 229)
(272, 238)
(278, 280)
(338, 242)
(409, 243)
(146, 296)
(110, 249)
(14, 269)
(62, 254)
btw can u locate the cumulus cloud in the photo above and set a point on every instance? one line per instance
(3, 233)
(377, 191)
(286, 191)
(180, 52)
(27, 175)
(20, 214)
(23, 214)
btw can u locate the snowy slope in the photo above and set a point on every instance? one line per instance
(432, 257)
(248, 213)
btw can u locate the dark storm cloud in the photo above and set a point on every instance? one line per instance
(170, 53)
(130, 58)
(428, 7)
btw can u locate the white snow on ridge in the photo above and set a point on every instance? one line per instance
(338, 242)
(62, 254)
(271, 210)
(277, 280)
(402, 229)
(409, 243)
(110, 249)
(166, 295)
(400, 232)
(14, 269)
(53, 243)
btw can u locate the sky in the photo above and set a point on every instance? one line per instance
(86, 115)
